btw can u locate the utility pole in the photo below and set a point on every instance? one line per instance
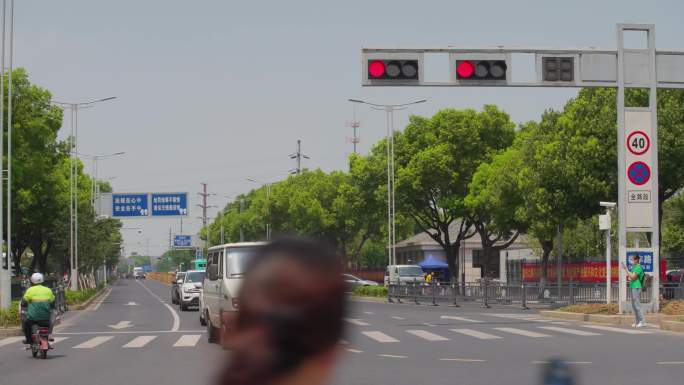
(298, 156)
(204, 205)
(354, 124)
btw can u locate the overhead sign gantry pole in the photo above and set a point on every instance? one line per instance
(621, 69)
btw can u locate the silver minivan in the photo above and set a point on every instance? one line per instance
(226, 266)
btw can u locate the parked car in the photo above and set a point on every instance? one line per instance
(403, 274)
(190, 289)
(225, 270)
(354, 281)
(175, 291)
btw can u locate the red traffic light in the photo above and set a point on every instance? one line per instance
(376, 68)
(465, 69)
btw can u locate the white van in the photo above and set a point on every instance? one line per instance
(404, 273)
(226, 266)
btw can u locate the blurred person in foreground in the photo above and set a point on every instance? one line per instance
(290, 318)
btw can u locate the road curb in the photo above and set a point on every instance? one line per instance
(360, 298)
(87, 303)
(11, 332)
(563, 315)
(673, 326)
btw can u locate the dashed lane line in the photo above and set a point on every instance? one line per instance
(380, 337)
(354, 351)
(476, 334)
(391, 356)
(10, 340)
(139, 342)
(462, 360)
(432, 337)
(187, 340)
(357, 322)
(569, 331)
(398, 318)
(522, 332)
(93, 342)
(464, 319)
(616, 330)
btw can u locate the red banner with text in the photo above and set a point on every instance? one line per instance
(577, 272)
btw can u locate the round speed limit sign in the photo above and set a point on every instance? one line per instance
(638, 142)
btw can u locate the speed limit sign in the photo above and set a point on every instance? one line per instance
(638, 142)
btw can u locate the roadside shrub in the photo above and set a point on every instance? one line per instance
(592, 308)
(10, 317)
(673, 308)
(80, 296)
(371, 291)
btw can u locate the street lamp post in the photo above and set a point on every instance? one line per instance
(95, 188)
(73, 177)
(391, 223)
(6, 265)
(268, 205)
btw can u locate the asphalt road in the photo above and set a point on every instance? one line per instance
(135, 336)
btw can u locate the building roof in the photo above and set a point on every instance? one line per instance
(424, 241)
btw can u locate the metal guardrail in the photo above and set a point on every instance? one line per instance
(524, 294)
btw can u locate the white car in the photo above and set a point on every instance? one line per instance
(189, 290)
(402, 274)
(226, 266)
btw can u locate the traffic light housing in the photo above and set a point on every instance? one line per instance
(480, 68)
(392, 69)
(558, 68)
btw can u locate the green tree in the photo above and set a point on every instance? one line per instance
(436, 160)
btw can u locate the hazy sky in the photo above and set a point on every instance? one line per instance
(218, 91)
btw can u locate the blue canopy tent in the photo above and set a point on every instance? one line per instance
(430, 264)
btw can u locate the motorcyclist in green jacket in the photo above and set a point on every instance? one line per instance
(39, 301)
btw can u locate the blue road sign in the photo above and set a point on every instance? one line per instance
(129, 205)
(169, 204)
(182, 241)
(646, 260)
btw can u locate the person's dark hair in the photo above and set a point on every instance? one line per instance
(636, 257)
(292, 305)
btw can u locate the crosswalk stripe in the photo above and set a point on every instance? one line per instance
(356, 322)
(617, 330)
(464, 319)
(10, 340)
(569, 331)
(522, 332)
(427, 335)
(139, 342)
(187, 340)
(59, 339)
(476, 334)
(93, 342)
(380, 337)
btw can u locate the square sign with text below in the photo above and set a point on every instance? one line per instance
(645, 258)
(182, 241)
(169, 204)
(640, 163)
(129, 205)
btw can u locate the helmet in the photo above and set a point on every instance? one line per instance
(36, 278)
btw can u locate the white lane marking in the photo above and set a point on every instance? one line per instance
(354, 351)
(522, 332)
(187, 340)
(93, 342)
(380, 337)
(102, 299)
(398, 318)
(139, 342)
(368, 312)
(58, 339)
(617, 330)
(567, 362)
(130, 332)
(428, 324)
(357, 322)
(464, 319)
(10, 340)
(391, 356)
(121, 325)
(476, 334)
(670, 363)
(462, 360)
(131, 304)
(343, 342)
(569, 331)
(174, 313)
(427, 335)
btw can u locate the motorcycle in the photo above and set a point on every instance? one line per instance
(40, 336)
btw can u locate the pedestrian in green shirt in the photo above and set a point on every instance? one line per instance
(636, 282)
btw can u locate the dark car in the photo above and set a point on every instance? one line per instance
(175, 291)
